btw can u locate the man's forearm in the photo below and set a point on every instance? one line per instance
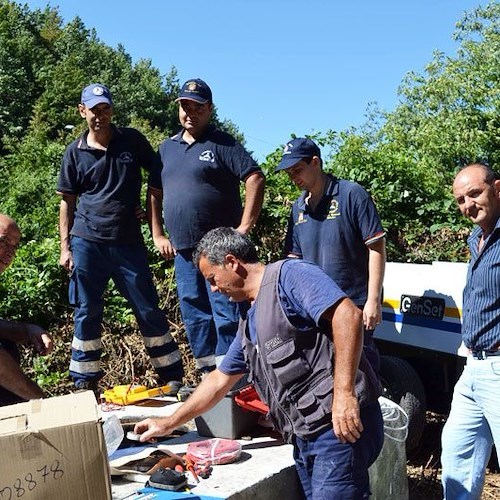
(66, 218)
(347, 339)
(376, 269)
(154, 208)
(211, 390)
(14, 380)
(254, 196)
(14, 331)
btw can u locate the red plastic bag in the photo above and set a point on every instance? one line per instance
(215, 451)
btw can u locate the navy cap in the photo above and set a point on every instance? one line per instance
(94, 94)
(296, 150)
(196, 90)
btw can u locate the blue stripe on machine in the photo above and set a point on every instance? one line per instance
(435, 324)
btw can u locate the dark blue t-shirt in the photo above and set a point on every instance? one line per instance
(201, 185)
(108, 185)
(305, 293)
(335, 235)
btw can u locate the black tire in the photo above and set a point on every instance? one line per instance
(402, 385)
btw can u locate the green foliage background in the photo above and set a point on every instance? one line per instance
(406, 158)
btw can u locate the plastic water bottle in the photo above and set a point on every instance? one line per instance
(113, 433)
(388, 474)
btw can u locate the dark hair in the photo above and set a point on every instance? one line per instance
(219, 242)
(310, 158)
(490, 175)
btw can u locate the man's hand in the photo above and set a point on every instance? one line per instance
(164, 246)
(346, 421)
(153, 427)
(66, 260)
(243, 229)
(141, 215)
(372, 314)
(211, 390)
(40, 339)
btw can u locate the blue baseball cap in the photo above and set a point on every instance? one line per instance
(94, 94)
(297, 149)
(195, 90)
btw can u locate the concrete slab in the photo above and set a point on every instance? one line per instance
(264, 471)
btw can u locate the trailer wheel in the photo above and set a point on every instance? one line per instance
(402, 385)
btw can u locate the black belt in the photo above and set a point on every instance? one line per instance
(485, 354)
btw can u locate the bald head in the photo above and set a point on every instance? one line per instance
(10, 235)
(477, 192)
(7, 223)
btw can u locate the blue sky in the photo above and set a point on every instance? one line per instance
(278, 67)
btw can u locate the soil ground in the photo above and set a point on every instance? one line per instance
(424, 467)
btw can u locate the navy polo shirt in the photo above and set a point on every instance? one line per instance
(108, 185)
(305, 293)
(335, 235)
(481, 297)
(201, 185)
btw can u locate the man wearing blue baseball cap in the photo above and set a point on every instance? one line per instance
(199, 189)
(100, 184)
(334, 223)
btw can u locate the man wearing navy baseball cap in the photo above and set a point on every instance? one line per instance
(196, 90)
(95, 94)
(335, 224)
(199, 188)
(100, 184)
(296, 150)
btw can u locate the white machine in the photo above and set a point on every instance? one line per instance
(419, 339)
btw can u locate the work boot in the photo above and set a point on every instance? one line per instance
(88, 385)
(184, 392)
(174, 386)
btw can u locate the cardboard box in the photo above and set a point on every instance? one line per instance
(54, 449)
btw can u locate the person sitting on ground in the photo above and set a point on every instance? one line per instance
(15, 386)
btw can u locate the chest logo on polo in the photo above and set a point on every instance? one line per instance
(273, 343)
(333, 211)
(126, 157)
(301, 218)
(207, 156)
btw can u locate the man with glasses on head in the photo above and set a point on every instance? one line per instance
(100, 184)
(15, 386)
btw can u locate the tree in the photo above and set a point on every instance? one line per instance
(447, 117)
(44, 64)
(23, 38)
